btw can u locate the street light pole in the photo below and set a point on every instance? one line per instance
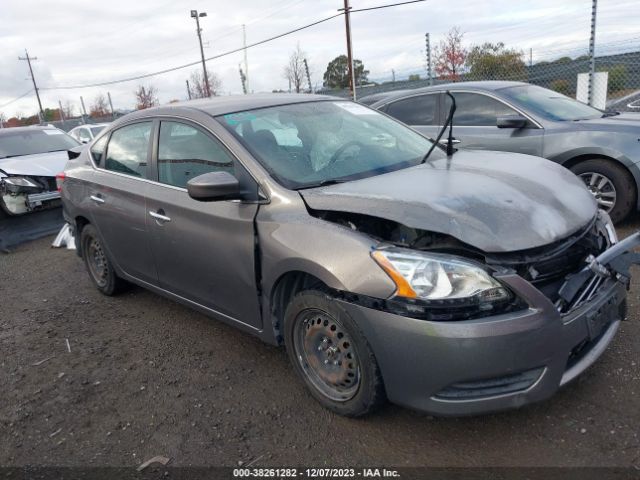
(196, 15)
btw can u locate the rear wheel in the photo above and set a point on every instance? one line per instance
(331, 355)
(98, 265)
(611, 185)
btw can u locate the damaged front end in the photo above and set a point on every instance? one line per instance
(24, 194)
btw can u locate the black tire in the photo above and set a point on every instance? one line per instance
(368, 393)
(625, 187)
(99, 267)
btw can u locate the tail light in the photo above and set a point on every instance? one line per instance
(60, 180)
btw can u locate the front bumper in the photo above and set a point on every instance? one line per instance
(494, 363)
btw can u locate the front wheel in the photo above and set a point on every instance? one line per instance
(98, 265)
(331, 355)
(611, 185)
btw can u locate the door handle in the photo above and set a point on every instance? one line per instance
(96, 198)
(159, 216)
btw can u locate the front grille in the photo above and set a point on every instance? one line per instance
(491, 387)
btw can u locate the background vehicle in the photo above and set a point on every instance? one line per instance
(30, 159)
(319, 223)
(86, 133)
(601, 148)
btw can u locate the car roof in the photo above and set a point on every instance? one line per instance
(488, 85)
(234, 103)
(30, 128)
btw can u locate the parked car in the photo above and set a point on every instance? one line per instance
(30, 159)
(450, 285)
(603, 149)
(86, 133)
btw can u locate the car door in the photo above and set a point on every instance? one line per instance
(418, 111)
(475, 125)
(117, 197)
(204, 251)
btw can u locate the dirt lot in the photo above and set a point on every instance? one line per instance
(146, 376)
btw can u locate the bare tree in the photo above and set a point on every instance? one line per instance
(146, 97)
(450, 55)
(67, 109)
(197, 87)
(294, 70)
(99, 107)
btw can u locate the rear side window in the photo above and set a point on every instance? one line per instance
(418, 110)
(128, 148)
(184, 152)
(477, 110)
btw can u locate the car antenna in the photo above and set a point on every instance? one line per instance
(447, 123)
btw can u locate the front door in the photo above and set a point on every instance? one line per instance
(204, 251)
(116, 195)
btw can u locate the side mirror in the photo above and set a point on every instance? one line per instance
(214, 186)
(511, 121)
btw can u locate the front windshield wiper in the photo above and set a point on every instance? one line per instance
(447, 123)
(610, 114)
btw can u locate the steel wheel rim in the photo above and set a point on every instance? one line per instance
(601, 188)
(326, 354)
(97, 261)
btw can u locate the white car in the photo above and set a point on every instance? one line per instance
(86, 133)
(30, 159)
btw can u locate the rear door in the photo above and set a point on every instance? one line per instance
(117, 198)
(418, 111)
(204, 251)
(475, 125)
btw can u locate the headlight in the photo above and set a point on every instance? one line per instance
(20, 182)
(434, 276)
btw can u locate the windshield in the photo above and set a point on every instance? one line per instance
(27, 142)
(549, 104)
(309, 144)
(96, 130)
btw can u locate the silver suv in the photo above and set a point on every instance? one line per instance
(454, 285)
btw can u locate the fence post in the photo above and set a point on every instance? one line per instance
(592, 48)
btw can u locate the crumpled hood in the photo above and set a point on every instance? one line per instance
(37, 165)
(495, 201)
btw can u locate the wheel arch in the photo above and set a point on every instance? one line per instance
(80, 222)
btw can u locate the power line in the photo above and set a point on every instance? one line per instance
(387, 6)
(17, 98)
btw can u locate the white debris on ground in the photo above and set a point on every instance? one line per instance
(65, 238)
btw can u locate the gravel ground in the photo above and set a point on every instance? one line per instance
(146, 376)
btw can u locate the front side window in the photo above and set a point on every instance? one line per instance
(83, 135)
(549, 104)
(307, 144)
(184, 152)
(476, 110)
(418, 110)
(128, 148)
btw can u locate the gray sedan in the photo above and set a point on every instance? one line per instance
(602, 148)
(459, 285)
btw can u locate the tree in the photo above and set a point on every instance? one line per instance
(197, 87)
(337, 73)
(561, 85)
(492, 61)
(67, 109)
(294, 70)
(146, 97)
(99, 107)
(414, 77)
(450, 55)
(617, 78)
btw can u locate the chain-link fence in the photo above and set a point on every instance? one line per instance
(615, 87)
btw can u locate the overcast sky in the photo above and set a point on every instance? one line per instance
(79, 43)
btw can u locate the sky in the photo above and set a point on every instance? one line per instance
(83, 42)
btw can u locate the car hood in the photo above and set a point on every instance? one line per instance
(627, 122)
(494, 201)
(37, 165)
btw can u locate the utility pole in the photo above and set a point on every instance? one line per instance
(246, 62)
(196, 15)
(531, 57)
(393, 76)
(113, 113)
(306, 69)
(84, 110)
(243, 79)
(188, 89)
(347, 22)
(592, 50)
(61, 112)
(35, 86)
(428, 50)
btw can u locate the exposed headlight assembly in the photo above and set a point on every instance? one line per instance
(20, 185)
(438, 278)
